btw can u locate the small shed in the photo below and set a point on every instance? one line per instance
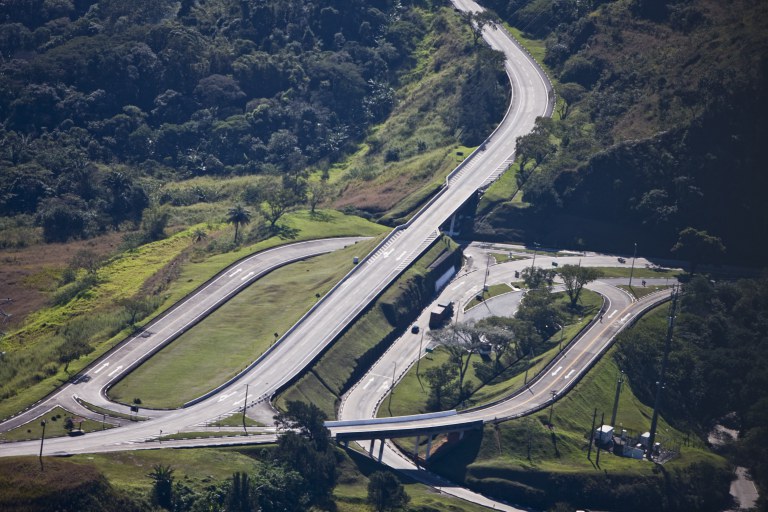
(604, 434)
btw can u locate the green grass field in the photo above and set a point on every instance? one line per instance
(236, 334)
(54, 426)
(639, 272)
(493, 291)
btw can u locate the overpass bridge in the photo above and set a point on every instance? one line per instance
(381, 429)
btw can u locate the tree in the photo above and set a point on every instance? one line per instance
(317, 192)
(305, 446)
(461, 340)
(307, 419)
(278, 200)
(537, 277)
(501, 338)
(136, 308)
(240, 497)
(75, 345)
(441, 385)
(534, 146)
(697, 247)
(385, 492)
(238, 215)
(153, 222)
(162, 486)
(575, 277)
(477, 21)
(278, 488)
(570, 93)
(539, 310)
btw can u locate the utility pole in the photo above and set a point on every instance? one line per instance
(485, 279)
(592, 435)
(619, 382)
(602, 422)
(632, 268)
(392, 387)
(552, 405)
(664, 361)
(535, 248)
(245, 406)
(42, 438)
(418, 360)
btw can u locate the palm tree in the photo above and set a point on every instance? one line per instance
(238, 215)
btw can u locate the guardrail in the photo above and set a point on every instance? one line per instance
(393, 419)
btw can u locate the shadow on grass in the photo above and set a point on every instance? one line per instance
(286, 233)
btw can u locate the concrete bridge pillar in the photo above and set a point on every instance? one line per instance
(381, 449)
(416, 450)
(346, 444)
(370, 448)
(429, 448)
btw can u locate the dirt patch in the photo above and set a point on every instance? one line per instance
(28, 275)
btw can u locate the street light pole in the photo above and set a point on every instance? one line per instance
(632, 268)
(42, 438)
(535, 248)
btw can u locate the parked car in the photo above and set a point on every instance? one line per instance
(415, 329)
(622, 260)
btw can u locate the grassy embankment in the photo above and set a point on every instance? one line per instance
(525, 461)
(54, 426)
(405, 159)
(31, 366)
(369, 336)
(237, 333)
(506, 189)
(115, 478)
(492, 291)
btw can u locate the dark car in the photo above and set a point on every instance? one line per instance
(415, 329)
(622, 260)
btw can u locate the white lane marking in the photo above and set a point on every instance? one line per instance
(239, 401)
(101, 368)
(624, 318)
(227, 395)
(401, 256)
(387, 253)
(459, 285)
(235, 272)
(368, 384)
(115, 371)
(384, 386)
(246, 276)
(568, 375)
(614, 312)
(554, 373)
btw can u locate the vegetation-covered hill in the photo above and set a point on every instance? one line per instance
(661, 126)
(97, 97)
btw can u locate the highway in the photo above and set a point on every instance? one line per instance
(363, 401)
(531, 97)
(92, 383)
(298, 347)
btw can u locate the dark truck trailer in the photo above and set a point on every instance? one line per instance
(440, 315)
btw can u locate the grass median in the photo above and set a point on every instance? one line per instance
(54, 426)
(237, 333)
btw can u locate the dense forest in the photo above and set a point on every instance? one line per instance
(96, 95)
(659, 128)
(717, 362)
